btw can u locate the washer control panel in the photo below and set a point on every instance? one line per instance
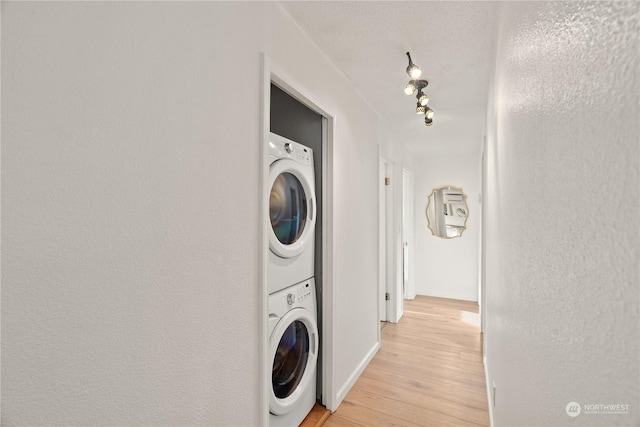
(299, 294)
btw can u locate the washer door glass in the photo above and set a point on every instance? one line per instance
(287, 208)
(290, 360)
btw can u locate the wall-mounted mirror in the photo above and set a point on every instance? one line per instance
(447, 212)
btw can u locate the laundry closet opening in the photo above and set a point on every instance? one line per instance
(295, 121)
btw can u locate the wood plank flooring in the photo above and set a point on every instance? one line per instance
(428, 371)
(316, 417)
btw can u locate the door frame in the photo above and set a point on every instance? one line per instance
(393, 238)
(408, 227)
(385, 241)
(482, 279)
(274, 73)
(383, 306)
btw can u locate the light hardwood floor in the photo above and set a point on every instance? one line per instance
(428, 371)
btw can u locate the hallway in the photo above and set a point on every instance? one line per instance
(135, 210)
(428, 371)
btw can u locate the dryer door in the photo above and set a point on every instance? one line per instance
(293, 351)
(291, 209)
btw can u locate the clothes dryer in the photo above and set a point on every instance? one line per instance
(292, 213)
(293, 353)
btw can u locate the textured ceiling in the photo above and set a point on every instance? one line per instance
(452, 42)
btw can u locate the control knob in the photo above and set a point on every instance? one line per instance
(291, 298)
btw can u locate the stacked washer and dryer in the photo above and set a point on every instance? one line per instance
(293, 328)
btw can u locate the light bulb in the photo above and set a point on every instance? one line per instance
(428, 121)
(410, 88)
(429, 113)
(423, 99)
(414, 71)
(420, 109)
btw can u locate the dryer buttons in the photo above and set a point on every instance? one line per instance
(291, 298)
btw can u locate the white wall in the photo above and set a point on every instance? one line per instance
(447, 268)
(130, 210)
(563, 216)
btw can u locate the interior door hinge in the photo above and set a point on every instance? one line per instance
(387, 181)
(387, 297)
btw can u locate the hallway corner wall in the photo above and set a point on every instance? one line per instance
(131, 188)
(563, 214)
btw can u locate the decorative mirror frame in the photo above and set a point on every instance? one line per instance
(432, 196)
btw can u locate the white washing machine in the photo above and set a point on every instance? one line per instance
(292, 213)
(293, 353)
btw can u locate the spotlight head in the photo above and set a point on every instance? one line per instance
(423, 99)
(413, 70)
(410, 88)
(428, 113)
(428, 121)
(420, 109)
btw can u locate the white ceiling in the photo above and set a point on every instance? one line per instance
(452, 42)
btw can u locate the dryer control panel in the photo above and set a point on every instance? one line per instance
(283, 148)
(302, 155)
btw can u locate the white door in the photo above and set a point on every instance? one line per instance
(291, 209)
(293, 351)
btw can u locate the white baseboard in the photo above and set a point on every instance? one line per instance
(342, 392)
(489, 399)
(462, 297)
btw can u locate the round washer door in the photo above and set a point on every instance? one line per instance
(291, 209)
(293, 352)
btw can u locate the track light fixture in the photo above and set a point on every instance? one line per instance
(422, 99)
(428, 113)
(413, 70)
(414, 85)
(410, 88)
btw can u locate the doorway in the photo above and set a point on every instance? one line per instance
(275, 76)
